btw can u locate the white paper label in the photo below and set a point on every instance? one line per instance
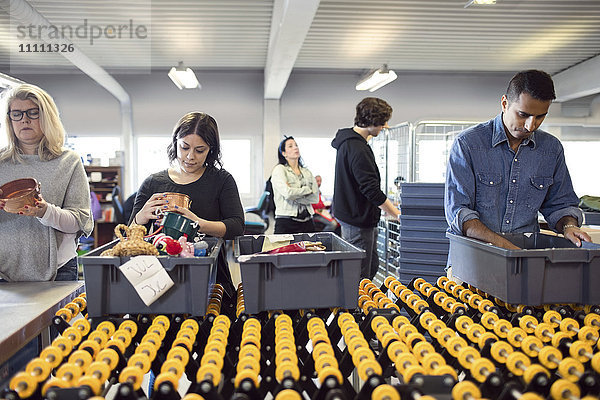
(148, 277)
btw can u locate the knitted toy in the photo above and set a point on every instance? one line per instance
(167, 245)
(188, 248)
(132, 244)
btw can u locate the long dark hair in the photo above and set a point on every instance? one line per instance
(281, 149)
(202, 125)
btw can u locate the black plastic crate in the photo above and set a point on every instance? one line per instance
(421, 221)
(425, 244)
(424, 201)
(109, 292)
(419, 189)
(422, 233)
(547, 270)
(425, 256)
(426, 267)
(417, 210)
(299, 280)
(592, 218)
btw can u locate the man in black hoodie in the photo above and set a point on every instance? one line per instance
(357, 196)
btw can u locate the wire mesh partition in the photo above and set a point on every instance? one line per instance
(380, 150)
(392, 151)
(432, 143)
(409, 153)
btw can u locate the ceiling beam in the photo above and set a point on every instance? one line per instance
(23, 12)
(290, 23)
(580, 80)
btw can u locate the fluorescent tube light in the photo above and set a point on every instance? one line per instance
(183, 78)
(487, 2)
(376, 79)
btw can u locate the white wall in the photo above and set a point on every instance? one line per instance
(313, 104)
(234, 99)
(319, 104)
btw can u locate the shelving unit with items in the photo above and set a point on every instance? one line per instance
(102, 181)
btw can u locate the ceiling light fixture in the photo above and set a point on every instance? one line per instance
(376, 79)
(487, 2)
(184, 78)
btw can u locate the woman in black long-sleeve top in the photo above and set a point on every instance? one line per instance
(196, 171)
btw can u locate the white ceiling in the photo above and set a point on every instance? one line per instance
(356, 35)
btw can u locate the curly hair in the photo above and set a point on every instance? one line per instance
(372, 111)
(202, 125)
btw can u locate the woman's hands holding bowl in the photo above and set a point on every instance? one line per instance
(36, 210)
(152, 210)
(188, 214)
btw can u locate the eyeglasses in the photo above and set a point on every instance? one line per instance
(17, 115)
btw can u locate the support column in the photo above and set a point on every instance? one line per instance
(271, 135)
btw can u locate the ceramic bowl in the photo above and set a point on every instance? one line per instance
(19, 193)
(176, 225)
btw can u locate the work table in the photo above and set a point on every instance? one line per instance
(27, 308)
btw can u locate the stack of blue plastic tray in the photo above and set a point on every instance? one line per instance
(423, 243)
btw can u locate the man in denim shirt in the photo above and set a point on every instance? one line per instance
(503, 171)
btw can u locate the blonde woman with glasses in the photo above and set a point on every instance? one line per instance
(39, 243)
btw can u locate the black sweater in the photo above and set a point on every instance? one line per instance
(357, 194)
(214, 196)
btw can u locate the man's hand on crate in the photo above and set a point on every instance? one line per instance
(477, 230)
(575, 234)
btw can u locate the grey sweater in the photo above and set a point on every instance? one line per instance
(28, 249)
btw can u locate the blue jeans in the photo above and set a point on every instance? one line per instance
(366, 239)
(69, 271)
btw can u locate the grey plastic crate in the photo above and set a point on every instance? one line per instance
(425, 256)
(425, 244)
(424, 233)
(422, 221)
(109, 292)
(548, 269)
(411, 188)
(299, 280)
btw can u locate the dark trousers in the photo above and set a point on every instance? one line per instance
(366, 239)
(288, 225)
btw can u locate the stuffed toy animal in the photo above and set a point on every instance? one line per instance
(132, 243)
(188, 248)
(166, 245)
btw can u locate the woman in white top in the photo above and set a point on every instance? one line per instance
(39, 243)
(294, 189)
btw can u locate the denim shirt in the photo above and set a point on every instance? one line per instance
(485, 179)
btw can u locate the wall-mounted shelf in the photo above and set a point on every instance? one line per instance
(102, 181)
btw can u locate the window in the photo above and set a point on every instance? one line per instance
(319, 157)
(151, 153)
(100, 148)
(578, 155)
(235, 155)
